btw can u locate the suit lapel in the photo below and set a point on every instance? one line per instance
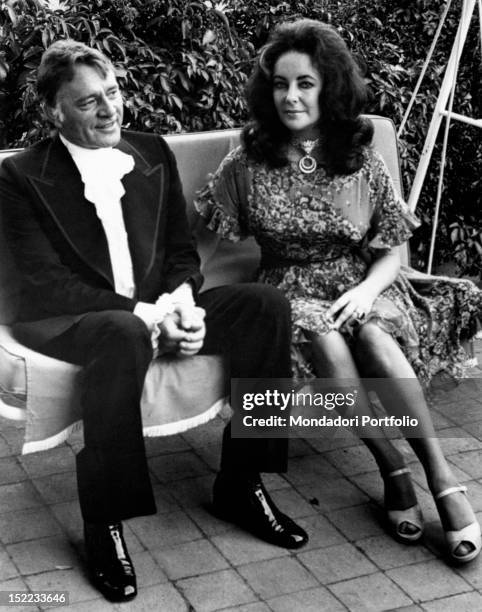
(61, 191)
(141, 207)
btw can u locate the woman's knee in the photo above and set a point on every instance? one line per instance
(373, 345)
(370, 333)
(330, 352)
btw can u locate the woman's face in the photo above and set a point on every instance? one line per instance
(296, 90)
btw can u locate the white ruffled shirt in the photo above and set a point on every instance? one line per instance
(101, 171)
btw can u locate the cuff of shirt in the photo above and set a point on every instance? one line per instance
(144, 310)
(183, 295)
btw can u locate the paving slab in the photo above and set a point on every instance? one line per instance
(277, 576)
(215, 591)
(162, 597)
(187, 560)
(53, 461)
(467, 602)
(337, 563)
(387, 553)
(240, 549)
(28, 524)
(311, 600)
(11, 470)
(8, 569)
(422, 580)
(373, 593)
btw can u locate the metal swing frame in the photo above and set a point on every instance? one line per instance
(443, 108)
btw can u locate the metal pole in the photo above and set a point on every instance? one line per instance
(461, 36)
(440, 183)
(463, 119)
(424, 67)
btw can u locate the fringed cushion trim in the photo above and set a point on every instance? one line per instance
(13, 413)
(47, 443)
(167, 429)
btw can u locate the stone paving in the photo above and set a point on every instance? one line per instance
(187, 560)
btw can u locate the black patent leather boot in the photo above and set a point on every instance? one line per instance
(243, 500)
(109, 563)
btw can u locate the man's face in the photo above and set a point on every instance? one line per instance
(89, 109)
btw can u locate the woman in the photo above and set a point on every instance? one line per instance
(309, 187)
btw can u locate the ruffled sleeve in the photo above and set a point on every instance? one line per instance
(223, 201)
(392, 223)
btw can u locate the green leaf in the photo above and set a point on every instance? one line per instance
(176, 100)
(209, 37)
(164, 83)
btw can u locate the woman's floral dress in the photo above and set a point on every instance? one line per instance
(316, 232)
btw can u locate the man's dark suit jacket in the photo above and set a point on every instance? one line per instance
(59, 244)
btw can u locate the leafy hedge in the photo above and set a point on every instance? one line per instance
(183, 67)
(179, 65)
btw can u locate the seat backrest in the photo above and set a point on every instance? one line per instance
(221, 262)
(199, 154)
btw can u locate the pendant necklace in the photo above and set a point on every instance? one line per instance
(307, 163)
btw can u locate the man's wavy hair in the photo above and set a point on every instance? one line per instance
(58, 64)
(342, 98)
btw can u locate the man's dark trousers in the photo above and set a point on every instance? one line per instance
(249, 323)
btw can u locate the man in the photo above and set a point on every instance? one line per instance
(96, 222)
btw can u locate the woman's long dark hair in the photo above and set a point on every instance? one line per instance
(342, 98)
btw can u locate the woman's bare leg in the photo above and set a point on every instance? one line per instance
(332, 359)
(378, 355)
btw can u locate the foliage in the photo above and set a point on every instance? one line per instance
(466, 237)
(178, 63)
(183, 66)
